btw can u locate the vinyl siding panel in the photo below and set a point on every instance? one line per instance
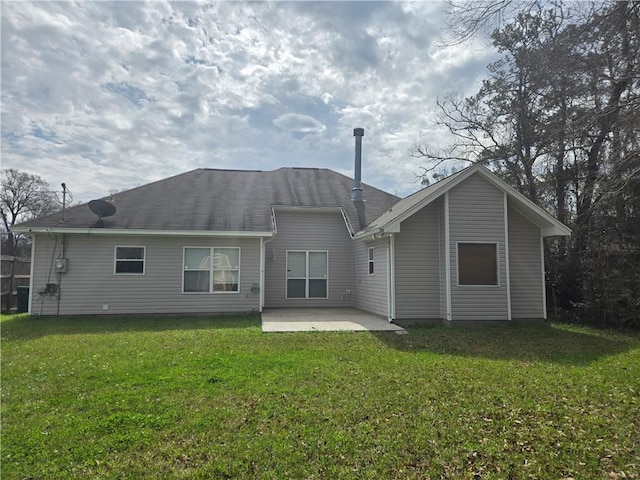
(370, 291)
(525, 260)
(476, 214)
(309, 230)
(417, 261)
(90, 281)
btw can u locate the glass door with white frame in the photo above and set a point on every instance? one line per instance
(307, 274)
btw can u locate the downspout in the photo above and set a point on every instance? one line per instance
(263, 267)
(388, 271)
(392, 277)
(506, 256)
(263, 256)
(447, 253)
(31, 273)
(544, 284)
(59, 274)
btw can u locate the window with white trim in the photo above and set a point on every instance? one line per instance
(129, 260)
(307, 274)
(371, 266)
(226, 269)
(478, 264)
(211, 270)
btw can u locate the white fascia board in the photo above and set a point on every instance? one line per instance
(556, 231)
(131, 231)
(556, 227)
(551, 226)
(394, 225)
(548, 229)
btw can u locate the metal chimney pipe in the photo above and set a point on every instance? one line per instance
(356, 193)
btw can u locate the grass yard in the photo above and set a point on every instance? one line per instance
(210, 398)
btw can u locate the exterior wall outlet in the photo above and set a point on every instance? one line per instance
(105, 306)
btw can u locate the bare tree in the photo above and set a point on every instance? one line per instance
(23, 197)
(467, 18)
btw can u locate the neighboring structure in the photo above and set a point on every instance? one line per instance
(468, 248)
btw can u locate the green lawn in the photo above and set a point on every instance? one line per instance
(198, 397)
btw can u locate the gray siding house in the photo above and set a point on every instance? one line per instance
(468, 248)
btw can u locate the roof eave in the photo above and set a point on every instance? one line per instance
(556, 231)
(394, 223)
(378, 232)
(555, 224)
(550, 227)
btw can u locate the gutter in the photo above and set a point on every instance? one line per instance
(377, 233)
(127, 231)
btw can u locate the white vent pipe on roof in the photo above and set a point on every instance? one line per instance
(356, 193)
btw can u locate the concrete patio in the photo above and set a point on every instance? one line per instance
(324, 320)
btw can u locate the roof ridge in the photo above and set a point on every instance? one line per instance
(365, 184)
(194, 191)
(207, 169)
(299, 168)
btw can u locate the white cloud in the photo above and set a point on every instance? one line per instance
(112, 95)
(296, 122)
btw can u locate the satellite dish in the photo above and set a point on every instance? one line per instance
(102, 209)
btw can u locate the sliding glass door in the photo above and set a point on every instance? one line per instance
(307, 274)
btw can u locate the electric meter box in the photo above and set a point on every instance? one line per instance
(61, 265)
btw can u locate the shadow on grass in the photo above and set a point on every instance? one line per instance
(554, 343)
(24, 327)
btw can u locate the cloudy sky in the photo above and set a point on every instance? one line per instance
(111, 95)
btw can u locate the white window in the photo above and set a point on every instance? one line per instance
(197, 270)
(371, 267)
(129, 260)
(307, 274)
(478, 264)
(211, 270)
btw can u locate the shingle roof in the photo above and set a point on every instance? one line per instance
(226, 200)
